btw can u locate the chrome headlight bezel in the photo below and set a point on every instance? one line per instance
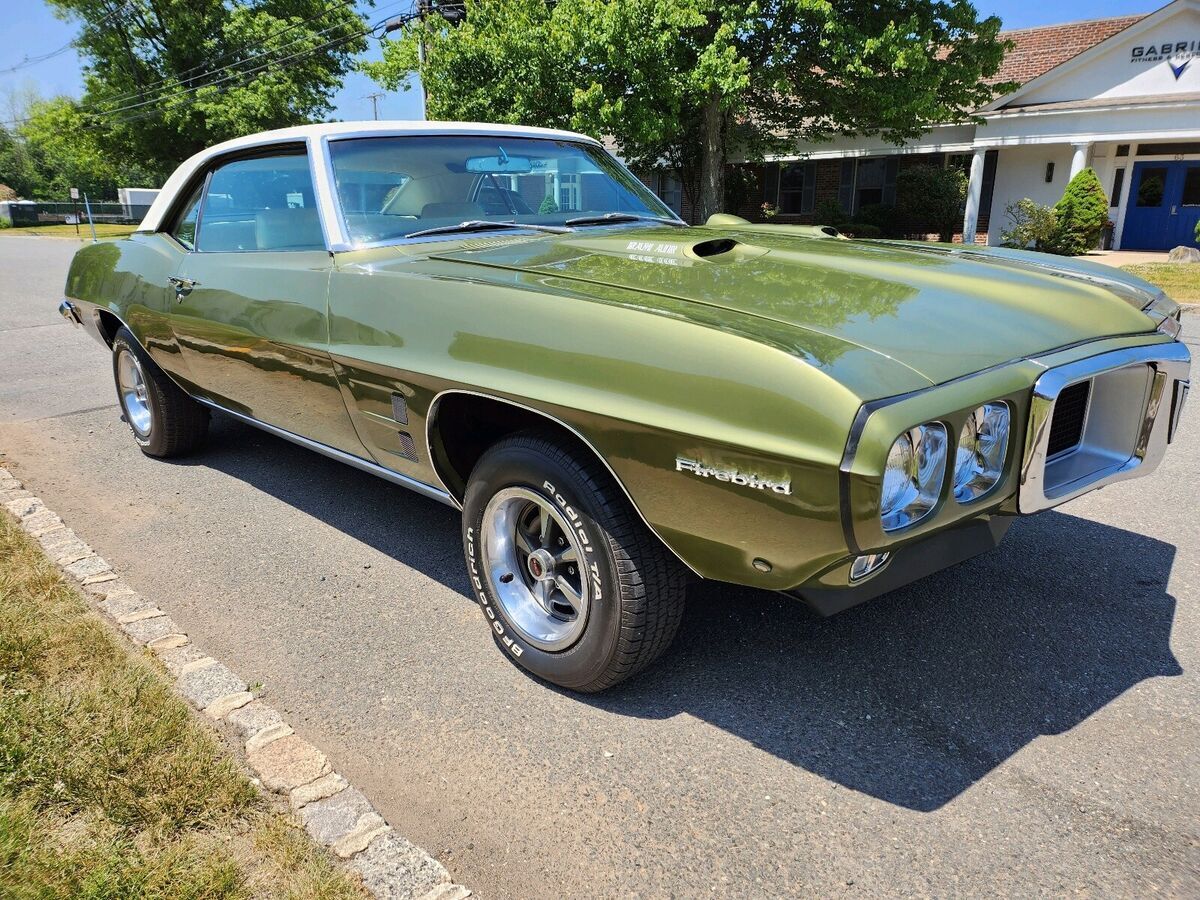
(982, 451)
(913, 476)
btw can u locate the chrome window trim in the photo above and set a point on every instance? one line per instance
(1170, 364)
(431, 418)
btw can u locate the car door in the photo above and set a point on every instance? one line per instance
(250, 316)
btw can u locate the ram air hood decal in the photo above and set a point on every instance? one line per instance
(941, 312)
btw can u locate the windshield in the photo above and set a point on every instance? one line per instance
(389, 187)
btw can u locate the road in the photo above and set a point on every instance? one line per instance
(1025, 723)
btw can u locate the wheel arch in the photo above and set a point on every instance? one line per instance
(455, 447)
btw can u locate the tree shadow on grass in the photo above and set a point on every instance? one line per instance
(911, 698)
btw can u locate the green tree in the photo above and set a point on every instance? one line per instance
(932, 195)
(1082, 214)
(166, 78)
(691, 84)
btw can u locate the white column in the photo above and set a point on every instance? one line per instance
(974, 193)
(1080, 159)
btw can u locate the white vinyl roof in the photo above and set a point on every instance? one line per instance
(314, 135)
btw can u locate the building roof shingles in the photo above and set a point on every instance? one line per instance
(1038, 50)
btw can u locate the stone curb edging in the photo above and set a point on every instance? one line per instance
(333, 812)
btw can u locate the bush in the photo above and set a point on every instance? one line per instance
(932, 195)
(860, 230)
(548, 206)
(1033, 225)
(1082, 214)
(877, 215)
(830, 212)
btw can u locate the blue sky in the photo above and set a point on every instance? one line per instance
(32, 30)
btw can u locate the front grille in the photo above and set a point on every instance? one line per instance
(1066, 429)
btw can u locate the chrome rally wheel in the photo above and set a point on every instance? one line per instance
(135, 400)
(532, 559)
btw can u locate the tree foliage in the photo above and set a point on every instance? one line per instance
(691, 84)
(164, 79)
(1082, 214)
(932, 195)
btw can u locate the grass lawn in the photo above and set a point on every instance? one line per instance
(109, 788)
(1181, 281)
(103, 229)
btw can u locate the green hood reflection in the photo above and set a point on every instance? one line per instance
(941, 313)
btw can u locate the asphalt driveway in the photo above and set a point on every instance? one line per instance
(1025, 723)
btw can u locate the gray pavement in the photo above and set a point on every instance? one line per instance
(1025, 723)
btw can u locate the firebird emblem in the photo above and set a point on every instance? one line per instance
(733, 476)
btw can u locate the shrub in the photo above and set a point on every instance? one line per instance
(877, 215)
(860, 230)
(932, 195)
(1033, 225)
(1197, 235)
(830, 212)
(548, 206)
(1082, 214)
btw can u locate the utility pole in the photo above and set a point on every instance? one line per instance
(374, 98)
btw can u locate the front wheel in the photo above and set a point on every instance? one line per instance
(164, 420)
(574, 586)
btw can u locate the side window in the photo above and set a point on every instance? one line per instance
(261, 203)
(185, 228)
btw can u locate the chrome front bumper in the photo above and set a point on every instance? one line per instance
(1136, 397)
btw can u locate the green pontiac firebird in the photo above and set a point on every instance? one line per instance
(506, 320)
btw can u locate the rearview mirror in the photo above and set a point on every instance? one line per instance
(500, 165)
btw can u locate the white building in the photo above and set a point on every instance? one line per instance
(1121, 95)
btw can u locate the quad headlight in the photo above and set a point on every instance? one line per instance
(913, 476)
(982, 445)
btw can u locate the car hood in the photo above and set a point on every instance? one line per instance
(940, 310)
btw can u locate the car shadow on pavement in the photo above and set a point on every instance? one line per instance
(917, 695)
(910, 698)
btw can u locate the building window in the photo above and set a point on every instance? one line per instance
(1191, 187)
(874, 183)
(670, 191)
(1118, 183)
(568, 192)
(797, 188)
(1150, 191)
(1122, 149)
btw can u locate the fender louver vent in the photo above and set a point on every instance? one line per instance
(399, 409)
(408, 447)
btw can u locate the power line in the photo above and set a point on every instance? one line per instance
(171, 92)
(278, 62)
(35, 60)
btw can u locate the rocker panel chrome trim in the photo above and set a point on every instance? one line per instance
(349, 459)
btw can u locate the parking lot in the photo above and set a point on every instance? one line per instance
(1025, 723)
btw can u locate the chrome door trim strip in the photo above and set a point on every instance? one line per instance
(420, 487)
(431, 417)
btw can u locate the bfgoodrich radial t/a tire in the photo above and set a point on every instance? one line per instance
(575, 588)
(164, 420)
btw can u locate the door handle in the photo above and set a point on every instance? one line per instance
(183, 286)
(1174, 210)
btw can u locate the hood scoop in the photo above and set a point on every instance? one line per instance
(714, 247)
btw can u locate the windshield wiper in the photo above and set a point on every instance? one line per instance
(481, 225)
(609, 218)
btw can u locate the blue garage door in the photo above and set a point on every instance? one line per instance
(1164, 206)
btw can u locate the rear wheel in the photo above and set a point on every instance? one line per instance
(164, 420)
(574, 586)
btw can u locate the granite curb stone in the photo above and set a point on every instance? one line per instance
(334, 813)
